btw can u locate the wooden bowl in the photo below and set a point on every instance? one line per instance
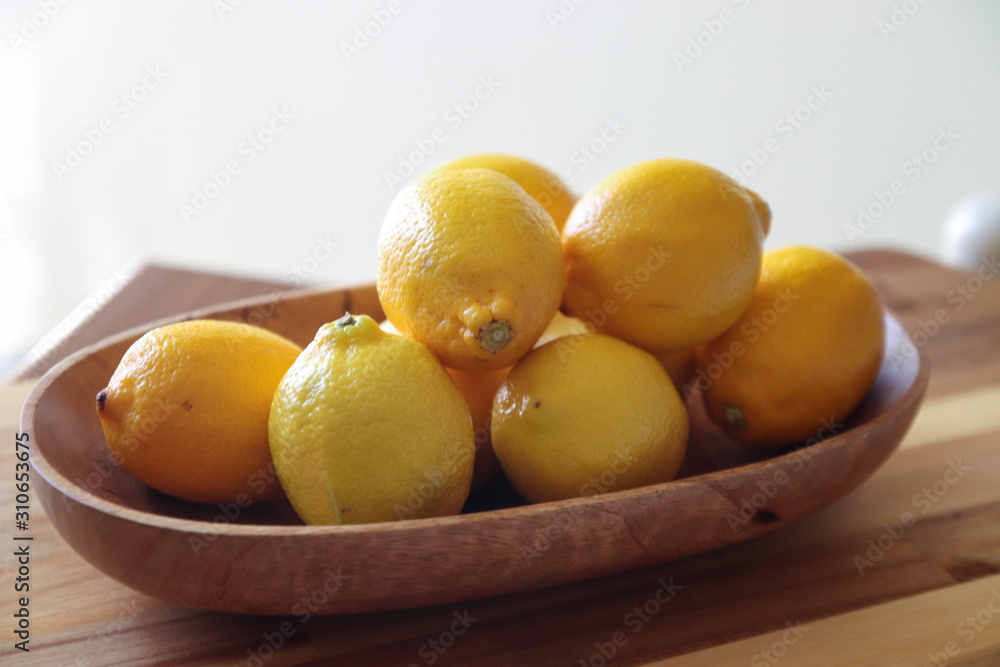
(262, 560)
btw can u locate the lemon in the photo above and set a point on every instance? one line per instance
(367, 426)
(544, 187)
(186, 410)
(586, 414)
(679, 365)
(470, 266)
(478, 389)
(664, 254)
(802, 355)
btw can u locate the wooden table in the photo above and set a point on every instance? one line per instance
(847, 586)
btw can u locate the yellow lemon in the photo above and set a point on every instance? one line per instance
(186, 410)
(470, 266)
(544, 187)
(679, 365)
(367, 426)
(478, 388)
(802, 355)
(586, 414)
(664, 254)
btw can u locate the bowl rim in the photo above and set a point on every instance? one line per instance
(78, 494)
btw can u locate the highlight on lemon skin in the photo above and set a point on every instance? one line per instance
(471, 266)
(367, 426)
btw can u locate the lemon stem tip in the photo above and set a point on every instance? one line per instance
(347, 320)
(735, 417)
(494, 336)
(102, 398)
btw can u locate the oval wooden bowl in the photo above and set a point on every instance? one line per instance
(262, 560)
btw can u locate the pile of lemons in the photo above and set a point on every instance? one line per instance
(527, 334)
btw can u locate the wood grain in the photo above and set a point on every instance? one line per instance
(735, 600)
(918, 625)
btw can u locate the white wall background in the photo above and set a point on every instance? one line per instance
(894, 75)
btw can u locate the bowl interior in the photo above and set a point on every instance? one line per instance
(71, 451)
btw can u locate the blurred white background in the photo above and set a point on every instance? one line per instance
(119, 120)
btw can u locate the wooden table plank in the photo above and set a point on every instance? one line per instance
(733, 603)
(104, 611)
(136, 294)
(936, 628)
(956, 416)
